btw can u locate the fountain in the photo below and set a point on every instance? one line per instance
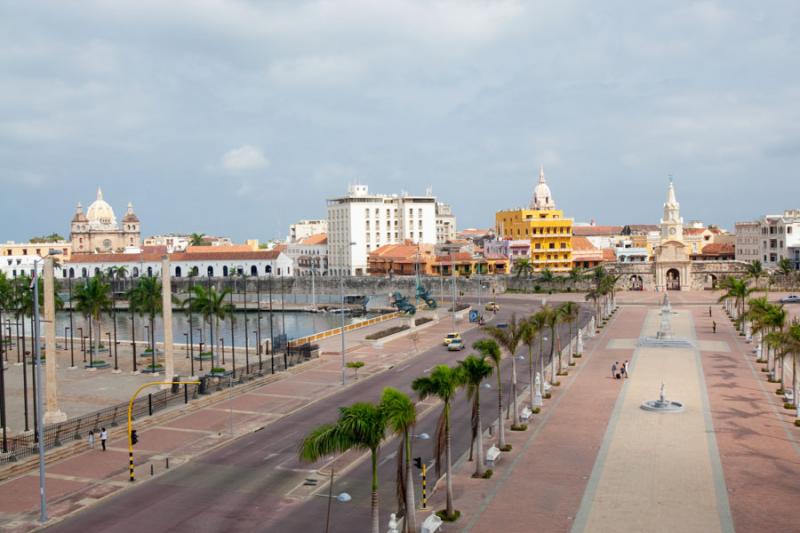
(662, 405)
(664, 337)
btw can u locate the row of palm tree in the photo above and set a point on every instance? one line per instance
(602, 293)
(784, 274)
(524, 268)
(364, 426)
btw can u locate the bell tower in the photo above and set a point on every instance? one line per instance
(671, 222)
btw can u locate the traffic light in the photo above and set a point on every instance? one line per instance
(134, 437)
(418, 462)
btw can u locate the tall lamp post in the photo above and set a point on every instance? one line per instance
(341, 294)
(271, 332)
(71, 326)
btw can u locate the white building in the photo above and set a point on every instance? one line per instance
(748, 241)
(445, 223)
(780, 238)
(203, 264)
(309, 254)
(173, 242)
(361, 222)
(304, 229)
(17, 265)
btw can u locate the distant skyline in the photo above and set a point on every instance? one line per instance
(237, 118)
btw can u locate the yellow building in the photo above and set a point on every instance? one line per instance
(544, 225)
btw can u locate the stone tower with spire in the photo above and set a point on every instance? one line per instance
(97, 231)
(671, 222)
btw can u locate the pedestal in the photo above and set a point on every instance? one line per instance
(54, 417)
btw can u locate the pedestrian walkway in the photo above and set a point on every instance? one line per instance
(82, 480)
(594, 461)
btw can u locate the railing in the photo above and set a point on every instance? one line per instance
(337, 331)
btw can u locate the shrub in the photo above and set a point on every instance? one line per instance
(537, 288)
(448, 518)
(422, 320)
(506, 448)
(386, 332)
(488, 473)
(521, 427)
(536, 410)
(547, 395)
(459, 307)
(218, 370)
(797, 423)
(577, 355)
(779, 392)
(788, 405)
(556, 384)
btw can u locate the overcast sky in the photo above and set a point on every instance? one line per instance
(237, 118)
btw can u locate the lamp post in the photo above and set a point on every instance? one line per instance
(133, 336)
(271, 333)
(71, 326)
(222, 349)
(341, 294)
(283, 328)
(258, 348)
(83, 344)
(114, 321)
(233, 322)
(200, 347)
(246, 333)
(3, 388)
(186, 345)
(71, 354)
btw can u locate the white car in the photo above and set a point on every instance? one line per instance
(791, 299)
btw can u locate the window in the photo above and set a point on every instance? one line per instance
(552, 245)
(177, 272)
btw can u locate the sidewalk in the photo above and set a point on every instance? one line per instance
(81, 480)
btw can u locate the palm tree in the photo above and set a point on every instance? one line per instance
(92, 298)
(489, 349)
(530, 330)
(539, 321)
(570, 313)
(775, 321)
(755, 271)
(594, 295)
(737, 291)
(211, 305)
(442, 383)
(474, 369)
(146, 299)
(401, 415)
(575, 275)
(793, 341)
(523, 267)
(552, 318)
(360, 426)
(197, 239)
(547, 276)
(509, 338)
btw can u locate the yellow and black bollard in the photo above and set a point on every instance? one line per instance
(424, 486)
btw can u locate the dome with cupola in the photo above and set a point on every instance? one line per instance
(100, 213)
(542, 198)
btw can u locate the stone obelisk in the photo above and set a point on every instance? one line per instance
(166, 313)
(52, 414)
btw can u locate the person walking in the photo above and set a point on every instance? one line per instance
(103, 437)
(625, 369)
(714, 326)
(709, 311)
(91, 440)
(614, 369)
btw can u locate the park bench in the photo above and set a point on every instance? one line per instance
(431, 524)
(526, 414)
(492, 454)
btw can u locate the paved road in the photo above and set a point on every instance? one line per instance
(243, 486)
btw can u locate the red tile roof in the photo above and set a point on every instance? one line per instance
(319, 238)
(582, 244)
(609, 254)
(719, 249)
(180, 256)
(596, 231)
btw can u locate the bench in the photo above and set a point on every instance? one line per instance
(431, 524)
(492, 454)
(526, 414)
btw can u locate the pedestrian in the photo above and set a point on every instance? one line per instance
(103, 437)
(709, 311)
(625, 369)
(614, 369)
(714, 326)
(91, 440)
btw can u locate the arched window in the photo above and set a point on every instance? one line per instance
(71, 272)
(224, 271)
(254, 270)
(177, 272)
(268, 269)
(135, 272)
(195, 271)
(84, 272)
(210, 272)
(149, 272)
(96, 271)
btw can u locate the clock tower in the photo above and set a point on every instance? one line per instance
(671, 222)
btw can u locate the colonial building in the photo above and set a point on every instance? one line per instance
(748, 241)
(445, 223)
(97, 231)
(310, 255)
(770, 239)
(304, 229)
(549, 233)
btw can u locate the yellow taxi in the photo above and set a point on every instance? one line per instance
(492, 306)
(451, 337)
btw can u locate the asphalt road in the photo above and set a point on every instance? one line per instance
(244, 485)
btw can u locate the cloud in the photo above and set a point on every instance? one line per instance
(246, 158)
(316, 71)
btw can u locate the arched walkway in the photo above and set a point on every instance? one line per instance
(673, 280)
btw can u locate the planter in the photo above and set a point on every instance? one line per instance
(149, 353)
(99, 363)
(204, 356)
(152, 369)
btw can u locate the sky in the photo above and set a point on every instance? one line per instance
(238, 118)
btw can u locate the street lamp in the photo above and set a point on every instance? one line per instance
(186, 345)
(71, 353)
(83, 344)
(341, 291)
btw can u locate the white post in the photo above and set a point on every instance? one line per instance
(579, 346)
(537, 397)
(52, 414)
(393, 523)
(166, 313)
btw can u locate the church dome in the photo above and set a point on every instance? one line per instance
(100, 214)
(542, 198)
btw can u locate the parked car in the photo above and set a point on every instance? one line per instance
(492, 306)
(455, 345)
(451, 337)
(791, 299)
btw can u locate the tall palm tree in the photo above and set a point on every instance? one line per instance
(92, 298)
(360, 426)
(539, 321)
(401, 415)
(474, 369)
(146, 299)
(197, 239)
(775, 321)
(552, 318)
(509, 338)
(736, 291)
(442, 383)
(755, 271)
(756, 314)
(530, 331)
(594, 295)
(210, 304)
(523, 267)
(575, 275)
(569, 314)
(489, 349)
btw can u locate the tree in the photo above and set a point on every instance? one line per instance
(491, 350)
(547, 276)
(775, 321)
(737, 291)
(509, 338)
(569, 314)
(355, 365)
(523, 267)
(474, 369)
(755, 271)
(92, 298)
(756, 314)
(53, 237)
(551, 319)
(401, 415)
(360, 426)
(210, 304)
(539, 321)
(197, 239)
(575, 275)
(146, 299)
(530, 330)
(442, 383)
(785, 267)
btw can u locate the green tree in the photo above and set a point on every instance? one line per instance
(569, 314)
(474, 369)
(53, 237)
(491, 350)
(442, 383)
(92, 298)
(197, 239)
(539, 321)
(509, 338)
(785, 267)
(755, 271)
(360, 426)
(146, 299)
(756, 314)
(736, 291)
(547, 276)
(210, 304)
(530, 331)
(523, 267)
(401, 415)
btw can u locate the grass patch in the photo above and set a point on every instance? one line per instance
(547, 395)
(577, 356)
(536, 410)
(448, 518)
(788, 405)
(385, 332)
(520, 427)
(506, 448)
(422, 320)
(572, 363)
